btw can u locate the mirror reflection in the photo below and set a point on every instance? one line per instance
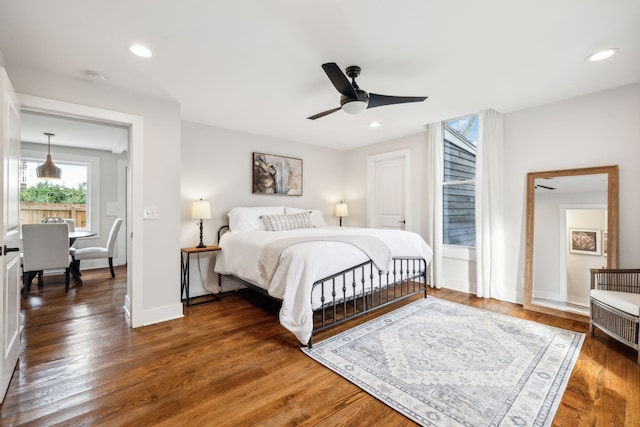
(569, 228)
(570, 222)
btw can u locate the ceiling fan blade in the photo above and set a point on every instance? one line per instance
(376, 100)
(545, 187)
(339, 80)
(324, 113)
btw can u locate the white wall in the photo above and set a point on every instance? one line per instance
(216, 165)
(594, 130)
(356, 180)
(160, 238)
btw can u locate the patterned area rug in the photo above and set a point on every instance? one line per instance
(445, 364)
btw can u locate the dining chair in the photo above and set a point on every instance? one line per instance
(72, 227)
(44, 247)
(52, 220)
(100, 252)
(71, 223)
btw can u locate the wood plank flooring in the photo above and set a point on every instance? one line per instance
(230, 363)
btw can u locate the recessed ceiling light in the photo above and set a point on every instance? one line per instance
(602, 54)
(374, 124)
(141, 51)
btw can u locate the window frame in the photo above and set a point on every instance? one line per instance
(464, 252)
(93, 180)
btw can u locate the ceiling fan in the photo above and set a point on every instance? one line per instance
(545, 187)
(355, 100)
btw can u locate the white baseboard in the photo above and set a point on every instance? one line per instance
(127, 306)
(162, 314)
(552, 296)
(459, 286)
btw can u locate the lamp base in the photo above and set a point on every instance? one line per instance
(201, 244)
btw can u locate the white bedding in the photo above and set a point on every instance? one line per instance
(302, 264)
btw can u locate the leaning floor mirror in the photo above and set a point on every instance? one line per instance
(571, 227)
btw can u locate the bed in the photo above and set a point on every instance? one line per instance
(323, 275)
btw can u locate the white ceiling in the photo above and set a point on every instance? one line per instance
(73, 133)
(573, 184)
(255, 65)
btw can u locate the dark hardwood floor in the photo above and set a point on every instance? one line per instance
(230, 363)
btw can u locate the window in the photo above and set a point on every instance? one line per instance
(458, 186)
(66, 198)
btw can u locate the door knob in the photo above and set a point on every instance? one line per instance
(402, 222)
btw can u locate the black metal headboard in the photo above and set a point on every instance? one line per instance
(221, 231)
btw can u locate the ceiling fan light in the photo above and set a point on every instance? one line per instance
(354, 107)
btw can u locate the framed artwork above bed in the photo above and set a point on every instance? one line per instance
(277, 175)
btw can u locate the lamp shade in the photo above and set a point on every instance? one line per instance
(48, 169)
(342, 209)
(201, 209)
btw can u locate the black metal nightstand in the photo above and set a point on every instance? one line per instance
(185, 257)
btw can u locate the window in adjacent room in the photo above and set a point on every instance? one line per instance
(459, 222)
(65, 198)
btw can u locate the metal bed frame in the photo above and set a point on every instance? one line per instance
(358, 290)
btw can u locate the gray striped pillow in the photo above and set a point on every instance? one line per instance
(286, 222)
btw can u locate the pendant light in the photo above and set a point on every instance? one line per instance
(48, 170)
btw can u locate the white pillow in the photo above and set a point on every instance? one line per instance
(248, 219)
(317, 220)
(287, 222)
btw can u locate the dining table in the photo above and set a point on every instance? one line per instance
(74, 267)
(74, 235)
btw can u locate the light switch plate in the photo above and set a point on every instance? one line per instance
(150, 212)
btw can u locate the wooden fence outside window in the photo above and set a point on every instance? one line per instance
(35, 212)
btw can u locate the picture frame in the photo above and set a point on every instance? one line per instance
(585, 241)
(276, 175)
(605, 235)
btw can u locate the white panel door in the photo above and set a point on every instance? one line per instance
(10, 232)
(390, 189)
(388, 176)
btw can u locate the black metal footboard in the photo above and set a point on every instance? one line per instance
(363, 288)
(357, 290)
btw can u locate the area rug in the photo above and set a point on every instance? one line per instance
(441, 363)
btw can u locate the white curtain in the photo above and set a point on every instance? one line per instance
(489, 225)
(435, 171)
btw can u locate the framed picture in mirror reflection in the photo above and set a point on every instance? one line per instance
(585, 241)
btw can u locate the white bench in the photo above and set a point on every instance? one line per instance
(615, 305)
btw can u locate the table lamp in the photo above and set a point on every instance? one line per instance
(200, 210)
(342, 210)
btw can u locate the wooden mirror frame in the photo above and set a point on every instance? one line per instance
(612, 229)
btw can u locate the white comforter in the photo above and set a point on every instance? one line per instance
(302, 264)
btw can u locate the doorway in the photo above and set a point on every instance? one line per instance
(133, 306)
